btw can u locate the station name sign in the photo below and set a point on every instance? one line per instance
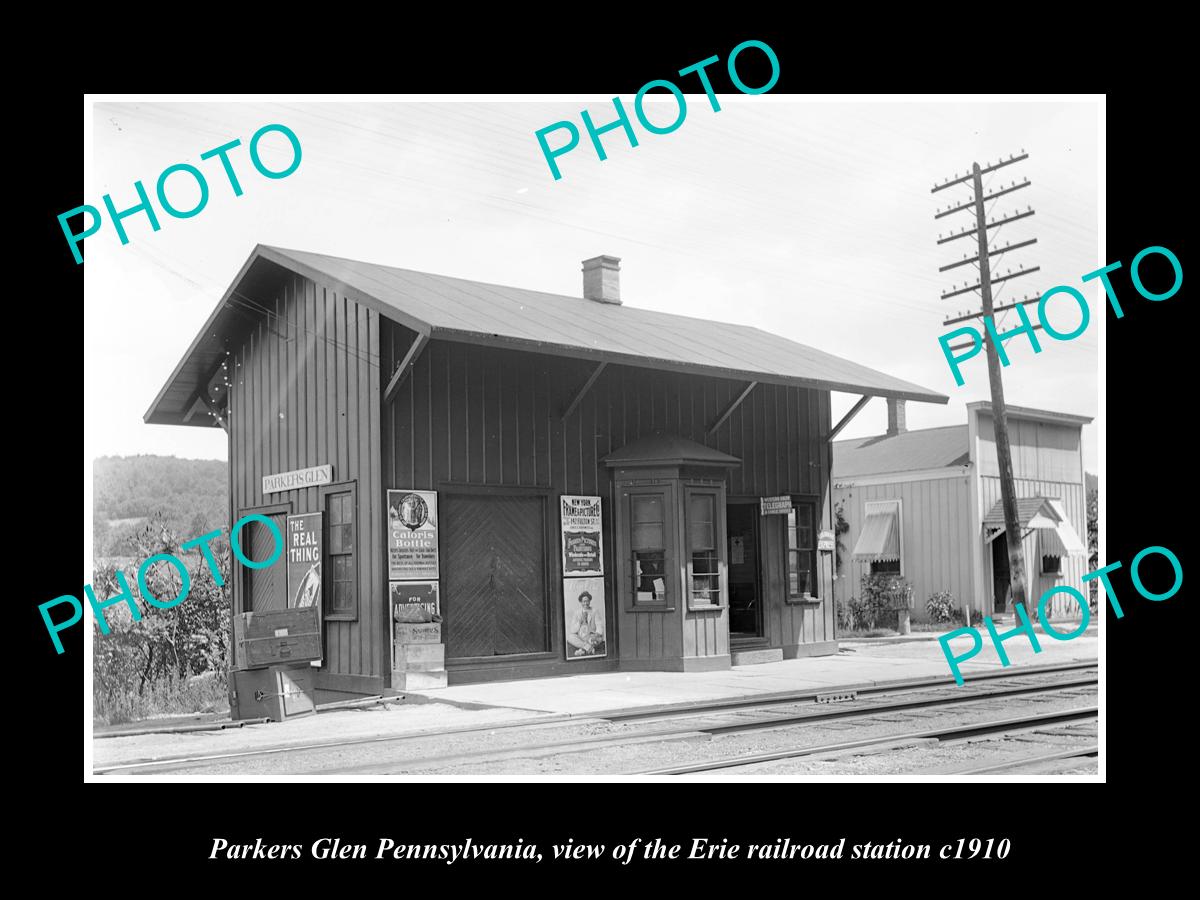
(314, 476)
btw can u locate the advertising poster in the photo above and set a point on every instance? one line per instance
(581, 536)
(414, 601)
(412, 535)
(583, 618)
(304, 560)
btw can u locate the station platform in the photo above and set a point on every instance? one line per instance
(862, 663)
(858, 664)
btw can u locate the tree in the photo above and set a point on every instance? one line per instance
(190, 638)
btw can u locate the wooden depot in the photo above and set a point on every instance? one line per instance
(504, 400)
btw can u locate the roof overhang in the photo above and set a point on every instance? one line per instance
(177, 401)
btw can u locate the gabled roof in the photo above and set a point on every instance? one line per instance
(445, 308)
(927, 448)
(1028, 509)
(669, 449)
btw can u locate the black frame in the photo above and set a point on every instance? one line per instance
(243, 580)
(323, 492)
(799, 599)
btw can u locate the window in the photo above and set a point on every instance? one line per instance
(648, 541)
(342, 592)
(802, 551)
(885, 567)
(704, 560)
(1051, 565)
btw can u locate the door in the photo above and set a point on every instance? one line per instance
(266, 589)
(999, 574)
(493, 575)
(745, 597)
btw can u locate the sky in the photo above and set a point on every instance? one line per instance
(808, 217)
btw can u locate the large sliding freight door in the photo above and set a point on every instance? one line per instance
(493, 575)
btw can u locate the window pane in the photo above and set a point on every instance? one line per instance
(650, 577)
(701, 531)
(347, 508)
(791, 529)
(648, 537)
(647, 508)
(705, 563)
(803, 537)
(347, 538)
(335, 539)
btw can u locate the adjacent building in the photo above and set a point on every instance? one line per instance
(925, 504)
(572, 484)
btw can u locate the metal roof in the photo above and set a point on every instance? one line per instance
(669, 449)
(927, 448)
(454, 309)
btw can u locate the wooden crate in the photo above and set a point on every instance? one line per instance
(419, 633)
(419, 658)
(418, 681)
(276, 693)
(277, 637)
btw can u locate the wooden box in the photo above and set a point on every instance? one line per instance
(276, 693)
(419, 658)
(277, 637)
(419, 633)
(418, 681)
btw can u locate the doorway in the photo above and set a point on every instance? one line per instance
(494, 596)
(745, 594)
(1000, 578)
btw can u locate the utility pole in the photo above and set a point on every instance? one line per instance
(1008, 498)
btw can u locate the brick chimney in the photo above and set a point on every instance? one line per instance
(896, 423)
(602, 279)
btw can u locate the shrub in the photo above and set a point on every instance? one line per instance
(940, 607)
(149, 666)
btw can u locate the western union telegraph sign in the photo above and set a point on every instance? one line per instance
(300, 478)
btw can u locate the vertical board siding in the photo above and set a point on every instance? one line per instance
(936, 539)
(1073, 498)
(306, 393)
(470, 414)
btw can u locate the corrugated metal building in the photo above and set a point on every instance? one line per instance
(926, 504)
(504, 402)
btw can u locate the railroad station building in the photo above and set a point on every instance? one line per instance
(386, 399)
(925, 504)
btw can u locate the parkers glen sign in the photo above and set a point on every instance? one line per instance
(313, 476)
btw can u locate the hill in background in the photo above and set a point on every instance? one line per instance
(190, 494)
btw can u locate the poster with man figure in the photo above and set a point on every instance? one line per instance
(583, 617)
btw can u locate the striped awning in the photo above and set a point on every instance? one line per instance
(1062, 540)
(880, 537)
(1047, 517)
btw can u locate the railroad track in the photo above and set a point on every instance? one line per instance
(1000, 727)
(693, 720)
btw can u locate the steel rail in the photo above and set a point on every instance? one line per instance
(940, 734)
(688, 712)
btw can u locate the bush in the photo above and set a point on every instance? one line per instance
(940, 607)
(151, 665)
